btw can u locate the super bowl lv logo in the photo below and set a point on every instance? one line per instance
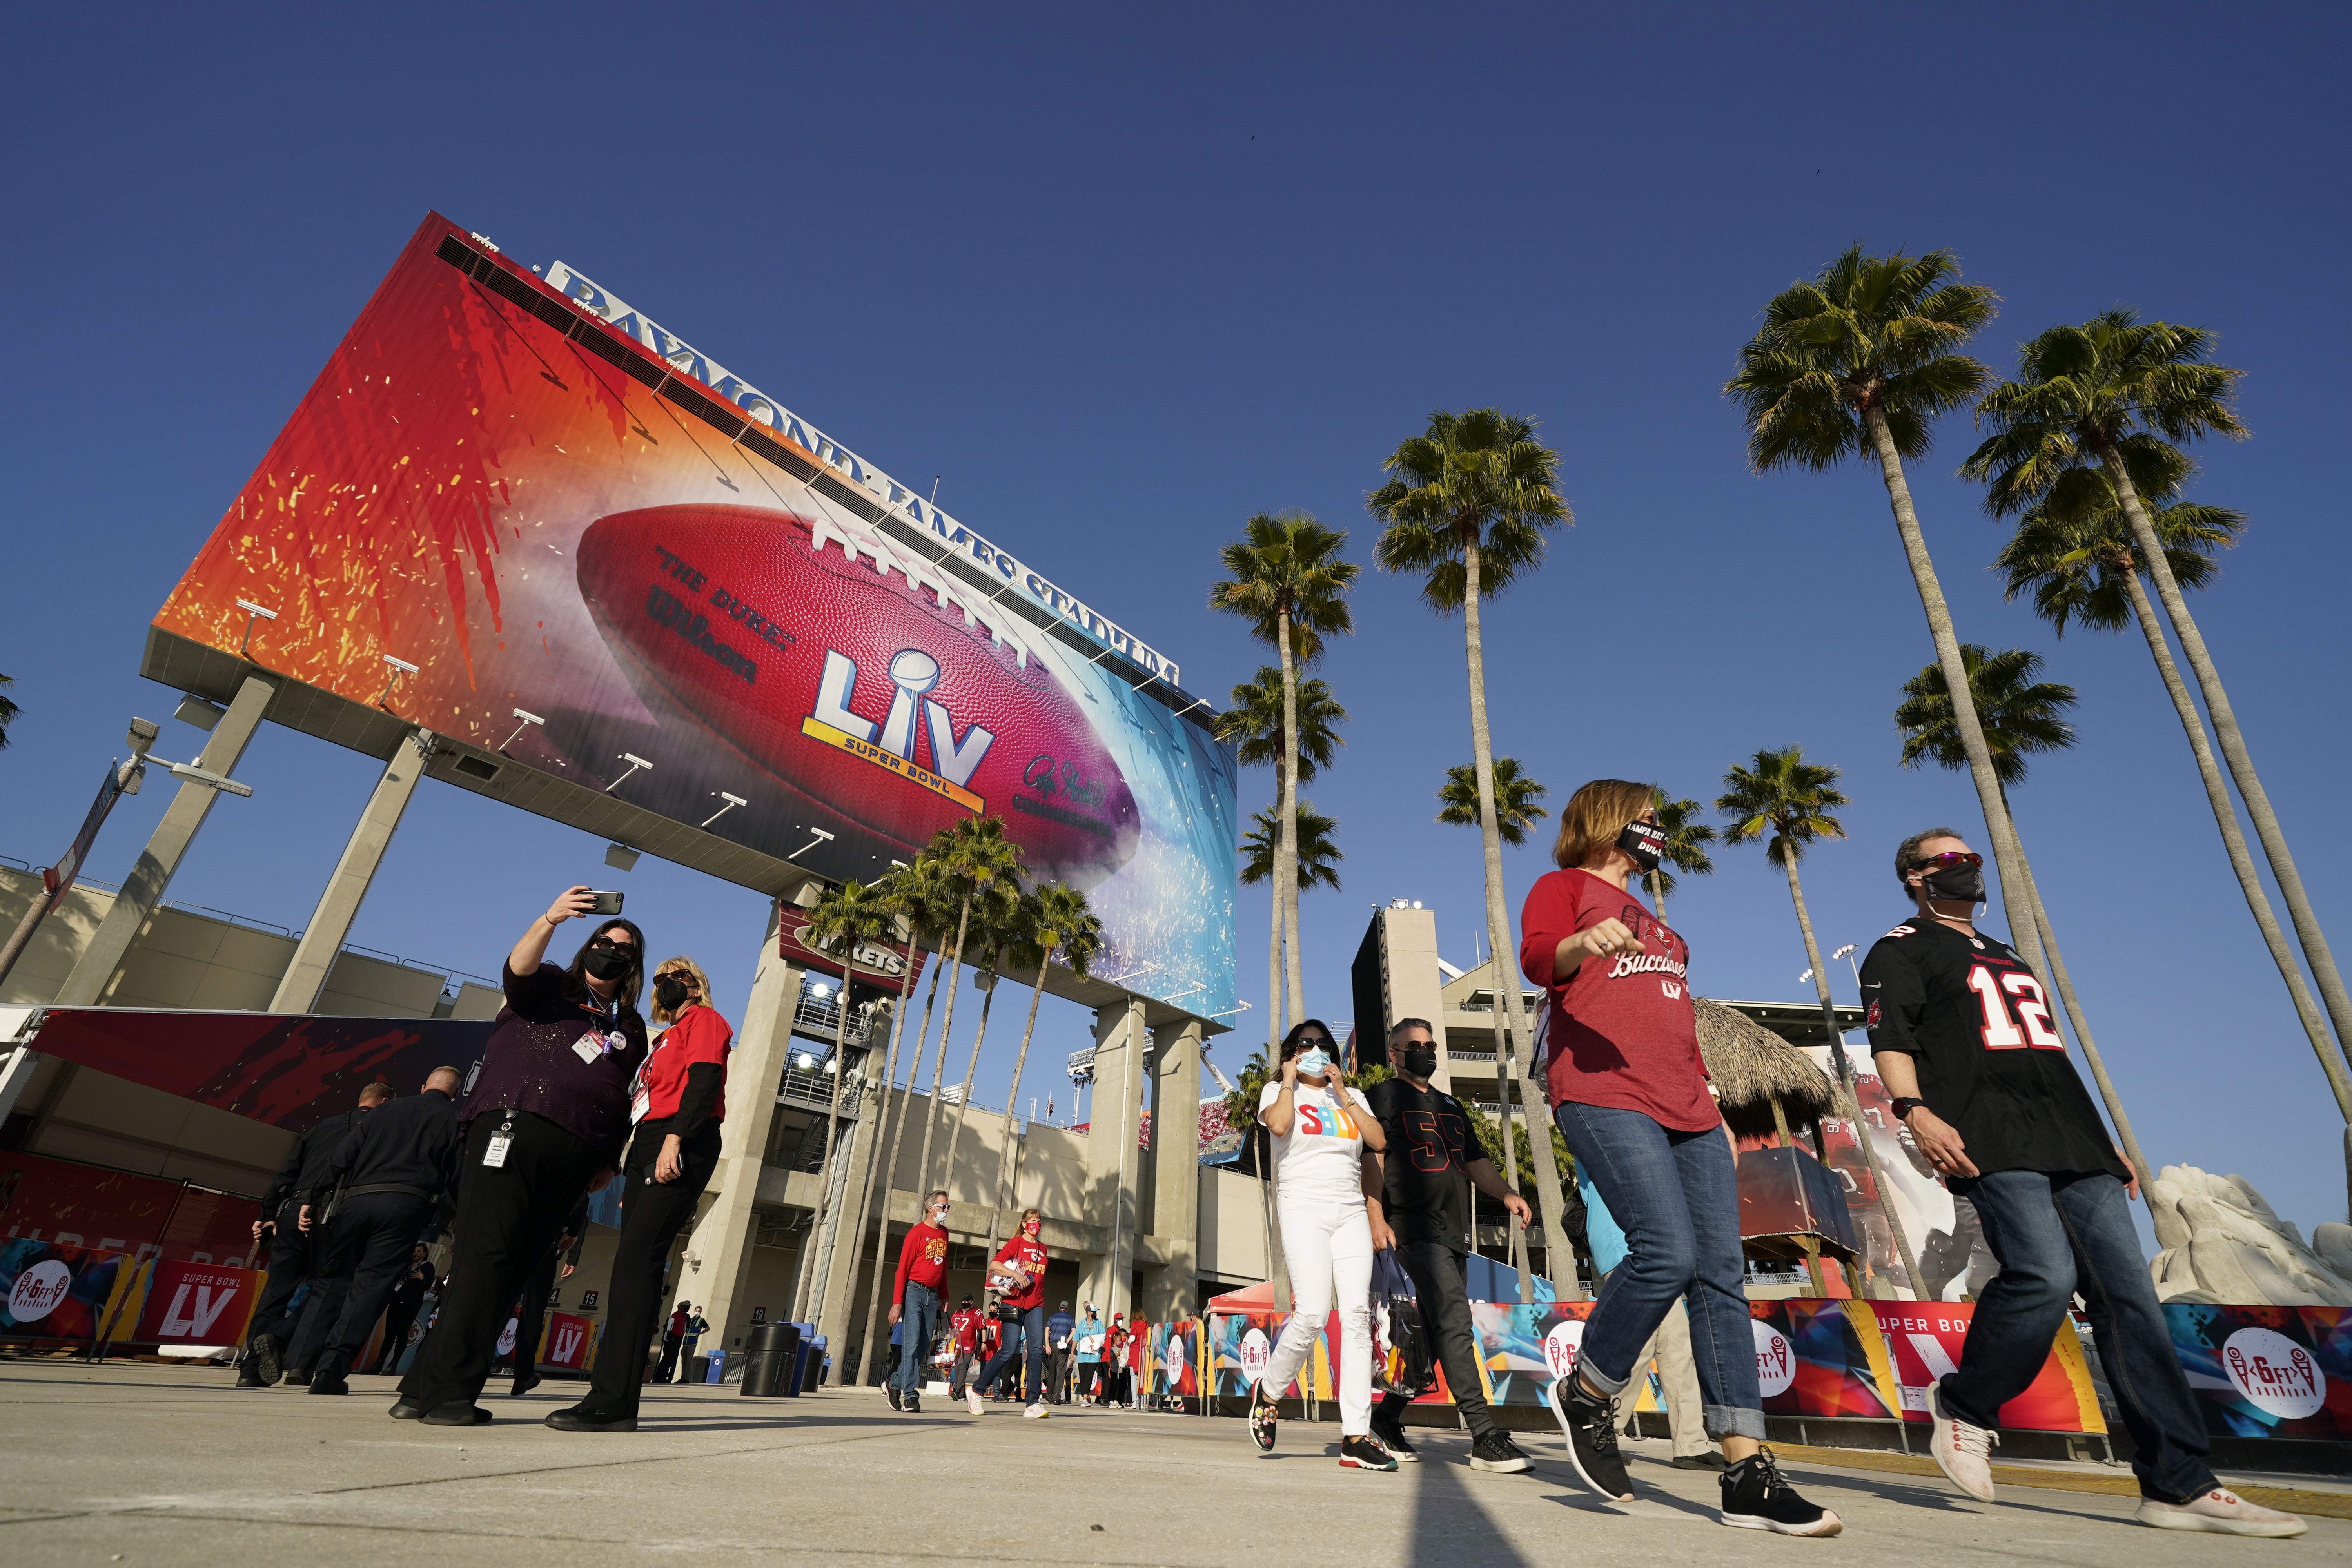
(891, 743)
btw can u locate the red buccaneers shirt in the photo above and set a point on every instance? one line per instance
(1030, 1259)
(1973, 1020)
(965, 1323)
(1621, 1033)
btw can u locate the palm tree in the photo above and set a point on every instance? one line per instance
(1686, 850)
(1288, 581)
(8, 710)
(1516, 800)
(2021, 715)
(1468, 505)
(2075, 554)
(847, 915)
(1859, 362)
(2080, 393)
(1005, 928)
(1317, 855)
(1782, 795)
(981, 868)
(1254, 725)
(1057, 925)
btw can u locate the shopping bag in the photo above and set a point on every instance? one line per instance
(1402, 1361)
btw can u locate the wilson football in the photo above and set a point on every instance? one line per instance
(858, 695)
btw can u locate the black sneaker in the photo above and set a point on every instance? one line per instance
(1392, 1439)
(1494, 1451)
(912, 1404)
(1589, 1423)
(892, 1390)
(1710, 1460)
(1756, 1498)
(1261, 1413)
(1364, 1454)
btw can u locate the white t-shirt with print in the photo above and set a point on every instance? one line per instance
(1323, 1154)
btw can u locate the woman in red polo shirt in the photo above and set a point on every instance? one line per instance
(678, 1103)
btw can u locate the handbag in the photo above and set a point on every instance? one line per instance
(1401, 1362)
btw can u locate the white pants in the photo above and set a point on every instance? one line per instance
(1328, 1241)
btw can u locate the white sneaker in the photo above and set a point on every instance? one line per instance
(1961, 1451)
(2221, 1511)
(971, 1399)
(1036, 1413)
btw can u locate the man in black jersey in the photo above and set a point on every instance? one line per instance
(1961, 1034)
(1418, 1194)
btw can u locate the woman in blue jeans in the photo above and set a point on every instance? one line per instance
(1018, 1274)
(1629, 1094)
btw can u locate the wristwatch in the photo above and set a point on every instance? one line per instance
(1904, 1106)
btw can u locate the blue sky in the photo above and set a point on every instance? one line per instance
(1123, 278)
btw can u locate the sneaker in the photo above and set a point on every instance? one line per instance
(891, 1389)
(1587, 1421)
(1263, 1414)
(1756, 1498)
(1494, 1451)
(972, 1400)
(1364, 1454)
(1036, 1413)
(912, 1404)
(1710, 1460)
(1392, 1439)
(1961, 1451)
(2221, 1511)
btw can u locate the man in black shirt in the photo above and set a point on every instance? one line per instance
(407, 1300)
(1419, 1195)
(292, 1250)
(384, 1183)
(1961, 1034)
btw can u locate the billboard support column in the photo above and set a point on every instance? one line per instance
(144, 888)
(1112, 1165)
(721, 1242)
(1173, 1288)
(330, 922)
(837, 1249)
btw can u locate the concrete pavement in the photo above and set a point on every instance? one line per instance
(142, 1464)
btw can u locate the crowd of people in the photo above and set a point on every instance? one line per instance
(575, 1091)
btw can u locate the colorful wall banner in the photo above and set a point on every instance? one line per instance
(53, 1292)
(715, 613)
(89, 1208)
(1924, 1340)
(565, 1341)
(195, 1304)
(2267, 1371)
(1821, 1358)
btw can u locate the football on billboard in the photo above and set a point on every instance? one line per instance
(856, 693)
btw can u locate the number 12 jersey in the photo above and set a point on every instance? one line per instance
(1972, 1016)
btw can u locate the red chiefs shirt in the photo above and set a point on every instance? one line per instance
(923, 1260)
(701, 1035)
(1139, 1345)
(1030, 1259)
(964, 1323)
(1622, 1032)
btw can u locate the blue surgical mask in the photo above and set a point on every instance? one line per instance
(1314, 1061)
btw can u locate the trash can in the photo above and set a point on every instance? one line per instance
(772, 1360)
(813, 1367)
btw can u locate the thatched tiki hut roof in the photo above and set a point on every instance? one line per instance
(1752, 1067)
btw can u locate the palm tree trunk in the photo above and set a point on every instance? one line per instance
(898, 1118)
(1285, 870)
(2242, 861)
(1278, 1265)
(963, 1097)
(2233, 751)
(2163, 1219)
(2022, 935)
(1020, 1061)
(833, 1112)
(1274, 1020)
(1510, 1073)
(1910, 1259)
(883, 1102)
(1658, 897)
(946, 1029)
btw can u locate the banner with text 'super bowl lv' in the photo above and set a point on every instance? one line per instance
(720, 615)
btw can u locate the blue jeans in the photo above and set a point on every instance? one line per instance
(919, 1324)
(1676, 1196)
(2055, 1234)
(1030, 1331)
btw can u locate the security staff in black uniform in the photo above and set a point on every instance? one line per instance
(530, 1310)
(385, 1182)
(292, 1249)
(407, 1300)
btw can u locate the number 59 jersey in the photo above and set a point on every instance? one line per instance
(1973, 1018)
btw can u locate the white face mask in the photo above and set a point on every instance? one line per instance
(1314, 1062)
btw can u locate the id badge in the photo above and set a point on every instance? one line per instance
(639, 1106)
(589, 1048)
(495, 1157)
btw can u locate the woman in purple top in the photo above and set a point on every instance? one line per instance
(544, 1121)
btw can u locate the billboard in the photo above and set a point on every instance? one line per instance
(529, 518)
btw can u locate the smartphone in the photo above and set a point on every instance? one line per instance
(606, 903)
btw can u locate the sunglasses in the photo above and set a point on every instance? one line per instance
(1950, 857)
(608, 942)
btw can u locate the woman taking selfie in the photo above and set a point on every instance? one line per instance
(1320, 1130)
(678, 1102)
(544, 1121)
(1629, 1092)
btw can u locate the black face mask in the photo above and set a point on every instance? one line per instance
(1420, 1061)
(1961, 884)
(671, 991)
(609, 963)
(1646, 842)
